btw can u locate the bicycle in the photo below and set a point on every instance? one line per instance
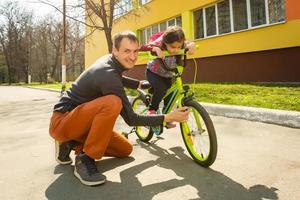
(198, 131)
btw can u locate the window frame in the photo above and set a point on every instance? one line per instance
(248, 14)
(122, 9)
(144, 34)
(143, 2)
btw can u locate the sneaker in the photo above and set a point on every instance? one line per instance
(155, 129)
(170, 125)
(151, 112)
(87, 172)
(62, 152)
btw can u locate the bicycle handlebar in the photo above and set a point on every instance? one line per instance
(150, 55)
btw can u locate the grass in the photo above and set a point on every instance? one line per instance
(52, 85)
(264, 95)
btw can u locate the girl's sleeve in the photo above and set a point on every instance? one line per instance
(146, 47)
(155, 41)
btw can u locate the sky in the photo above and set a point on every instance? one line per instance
(41, 9)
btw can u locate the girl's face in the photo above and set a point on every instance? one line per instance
(174, 48)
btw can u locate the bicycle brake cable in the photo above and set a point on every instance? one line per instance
(195, 74)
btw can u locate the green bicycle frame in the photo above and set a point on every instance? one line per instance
(176, 88)
(177, 93)
(180, 94)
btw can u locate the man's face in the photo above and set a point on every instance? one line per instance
(127, 53)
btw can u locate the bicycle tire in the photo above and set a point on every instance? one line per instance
(204, 130)
(144, 133)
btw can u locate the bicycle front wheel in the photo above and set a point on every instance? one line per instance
(144, 133)
(199, 135)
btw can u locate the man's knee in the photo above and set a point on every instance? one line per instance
(127, 151)
(112, 102)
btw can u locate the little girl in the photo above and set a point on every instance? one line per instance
(172, 40)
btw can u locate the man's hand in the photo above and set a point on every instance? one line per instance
(179, 115)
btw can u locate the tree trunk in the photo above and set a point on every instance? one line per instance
(108, 39)
(7, 62)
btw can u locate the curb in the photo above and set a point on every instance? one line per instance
(39, 88)
(279, 117)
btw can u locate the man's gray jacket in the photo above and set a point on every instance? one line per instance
(103, 78)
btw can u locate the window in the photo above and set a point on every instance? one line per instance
(149, 33)
(235, 15)
(143, 36)
(210, 16)
(276, 11)
(198, 24)
(171, 22)
(163, 26)
(122, 7)
(155, 29)
(142, 2)
(224, 17)
(146, 33)
(239, 14)
(178, 21)
(258, 12)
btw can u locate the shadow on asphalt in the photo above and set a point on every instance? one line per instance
(210, 184)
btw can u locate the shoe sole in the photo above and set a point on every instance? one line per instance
(56, 155)
(169, 127)
(87, 182)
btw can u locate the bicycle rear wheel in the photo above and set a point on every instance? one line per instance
(144, 133)
(199, 135)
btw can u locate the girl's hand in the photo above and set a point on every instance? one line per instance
(192, 48)
(159, 52)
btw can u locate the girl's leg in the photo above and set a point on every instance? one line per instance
(167, 99)
(160, 86)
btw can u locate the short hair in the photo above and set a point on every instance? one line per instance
(125, 34)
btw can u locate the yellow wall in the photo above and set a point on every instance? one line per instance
(271, 37)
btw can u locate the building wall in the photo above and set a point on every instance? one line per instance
(228, 53)
(279, 65)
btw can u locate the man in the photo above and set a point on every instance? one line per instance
(85, 115)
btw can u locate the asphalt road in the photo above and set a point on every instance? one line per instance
(255, 160)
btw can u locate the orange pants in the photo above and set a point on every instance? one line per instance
(91, 124)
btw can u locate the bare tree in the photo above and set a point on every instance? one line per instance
(55, 38)
(95, 11)
(14, 40)
(75, 50)
(4, 42)
(35, 47)
(41, 59)
(105, 11)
